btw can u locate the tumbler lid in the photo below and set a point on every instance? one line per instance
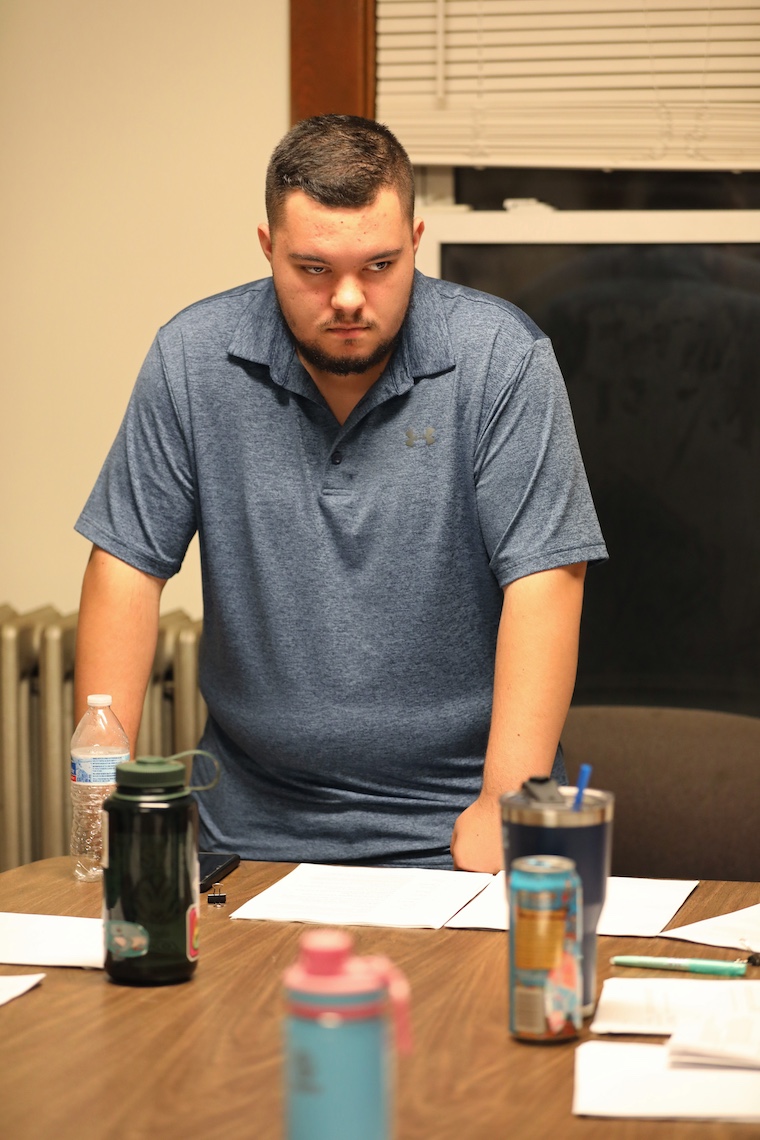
(524, 807)
(150, 772)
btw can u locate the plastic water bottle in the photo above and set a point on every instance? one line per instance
(339, 1051)
(99, 743)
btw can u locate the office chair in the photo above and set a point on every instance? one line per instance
(686, 785)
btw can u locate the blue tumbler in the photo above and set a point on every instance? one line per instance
(338, 1048)
(542, 819)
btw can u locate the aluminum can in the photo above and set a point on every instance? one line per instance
(545, 949)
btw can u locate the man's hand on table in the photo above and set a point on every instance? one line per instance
(476, 838)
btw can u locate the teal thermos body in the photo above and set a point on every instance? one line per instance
(339, 1040)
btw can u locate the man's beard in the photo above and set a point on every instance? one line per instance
(341, 365)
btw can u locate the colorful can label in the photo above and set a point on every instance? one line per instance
(545, 948)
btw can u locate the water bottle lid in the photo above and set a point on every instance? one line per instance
(99, 700)
(150, 771)
(326, 965)
(327, 976)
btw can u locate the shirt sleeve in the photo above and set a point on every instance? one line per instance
(142, 508)
(534, 503)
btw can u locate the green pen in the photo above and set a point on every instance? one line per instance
(689, 965)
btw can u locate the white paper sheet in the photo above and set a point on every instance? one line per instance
(659, 1005)
(365, 896)
(738, 928)
(51, 940)
(641, 907)
(618, 1079)
(487, 911)
(13, 986)
(714, 1040)
(636, 907)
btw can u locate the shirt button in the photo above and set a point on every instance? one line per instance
(336, 458)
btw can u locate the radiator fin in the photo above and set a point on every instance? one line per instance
(37, 720)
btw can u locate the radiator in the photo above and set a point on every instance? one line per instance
(37, 721)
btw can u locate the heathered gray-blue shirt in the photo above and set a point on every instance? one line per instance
(351, 574)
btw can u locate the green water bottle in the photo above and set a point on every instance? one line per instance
(151, 891)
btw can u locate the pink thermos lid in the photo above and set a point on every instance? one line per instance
(327, 968)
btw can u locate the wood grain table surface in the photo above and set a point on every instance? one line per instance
(82, 1058)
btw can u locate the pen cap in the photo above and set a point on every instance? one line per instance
(328, 978)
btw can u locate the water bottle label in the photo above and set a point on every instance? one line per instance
(95, 769)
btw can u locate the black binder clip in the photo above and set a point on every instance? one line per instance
(217, 897)
(753, 956)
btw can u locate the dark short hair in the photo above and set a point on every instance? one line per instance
(338, 160)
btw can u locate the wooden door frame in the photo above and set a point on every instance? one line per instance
(332, 58)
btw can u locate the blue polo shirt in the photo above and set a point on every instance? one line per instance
(352, 575)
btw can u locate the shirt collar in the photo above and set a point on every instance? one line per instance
(426, 342)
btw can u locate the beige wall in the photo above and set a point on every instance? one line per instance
(135, 136)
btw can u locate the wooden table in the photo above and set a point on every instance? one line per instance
(85, 1059)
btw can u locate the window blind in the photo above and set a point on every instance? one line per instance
(670, 84)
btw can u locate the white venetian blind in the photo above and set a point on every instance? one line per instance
(669, 84)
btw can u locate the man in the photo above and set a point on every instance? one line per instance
(394, 526)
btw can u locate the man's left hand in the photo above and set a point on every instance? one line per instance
(476, 838)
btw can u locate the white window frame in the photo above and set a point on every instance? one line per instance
(534, 223)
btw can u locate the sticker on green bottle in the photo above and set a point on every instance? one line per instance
(192, 932)
(126, 939)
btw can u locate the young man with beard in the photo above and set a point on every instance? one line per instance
(394, 526)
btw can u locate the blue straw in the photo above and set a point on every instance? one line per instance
(583, 778)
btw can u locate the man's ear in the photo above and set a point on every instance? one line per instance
(418, 228)
(265, 238)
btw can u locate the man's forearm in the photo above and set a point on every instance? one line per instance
(117, 631)
(536, 662)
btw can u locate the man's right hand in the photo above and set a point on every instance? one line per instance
(476, 838)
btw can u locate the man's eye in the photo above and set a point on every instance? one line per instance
(378, 266)
(314, 270)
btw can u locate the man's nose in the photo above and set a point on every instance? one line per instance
(348, 296)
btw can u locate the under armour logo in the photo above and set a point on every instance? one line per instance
(427, 437)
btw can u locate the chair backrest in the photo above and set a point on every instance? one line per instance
(686, 785)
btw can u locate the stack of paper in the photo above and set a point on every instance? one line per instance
(393, 896)
(634, 907)
(715, 1040)
(710, 1068)
(739, 929)
(365, 896)
(660, 1005)
(51, 940)
(631, 1080)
